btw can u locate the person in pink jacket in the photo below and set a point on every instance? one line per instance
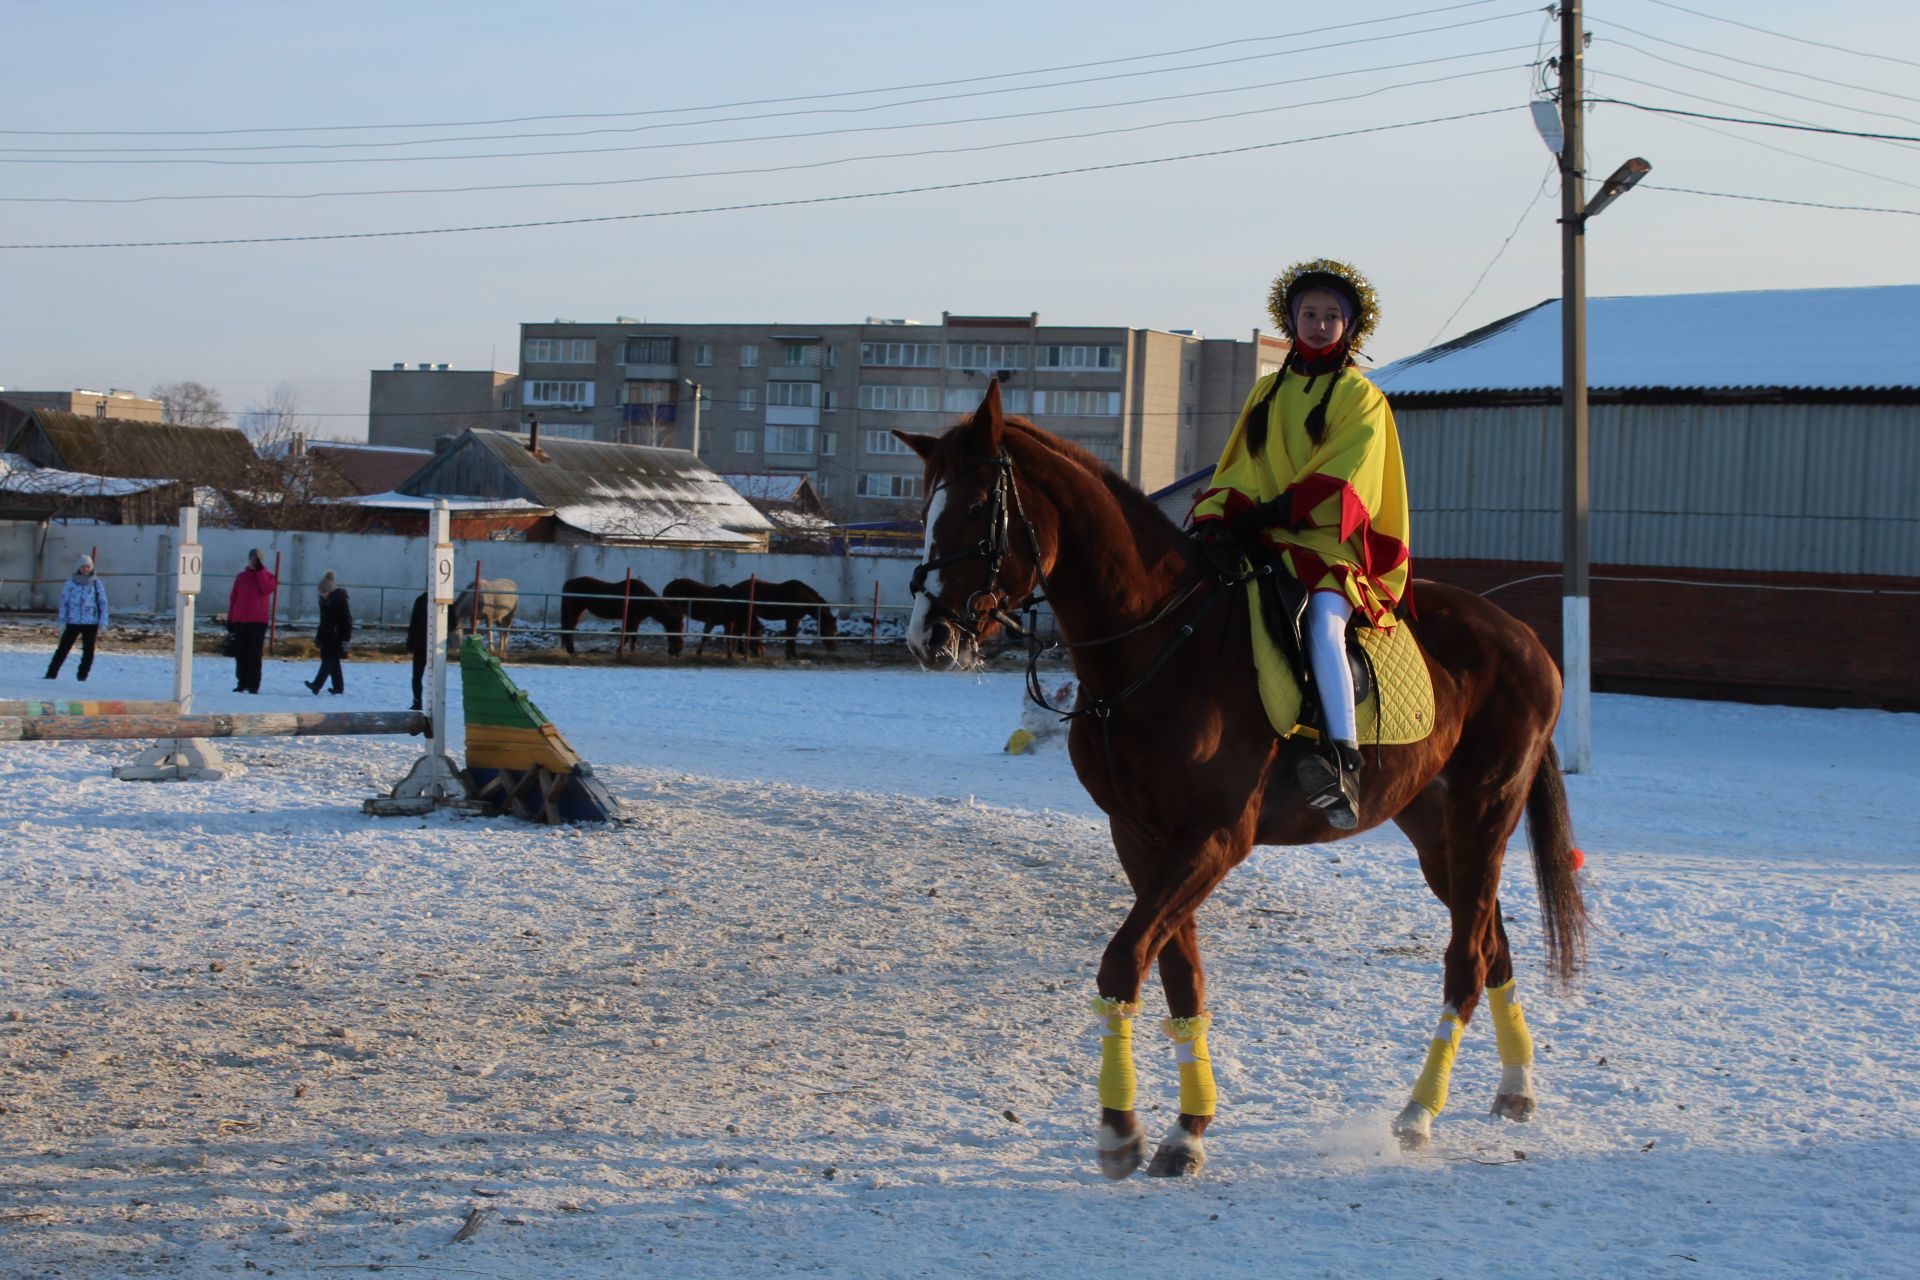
(249, 607)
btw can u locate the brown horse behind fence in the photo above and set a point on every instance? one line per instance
(712, 607)
(789, 603)
(580, 596)
(1173, 743)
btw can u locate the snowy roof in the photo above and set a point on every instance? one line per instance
(18, 475)
(627, 492)
(1806, 339)
(767, 486)
(392, 501)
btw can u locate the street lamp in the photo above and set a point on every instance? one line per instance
(1576, 663)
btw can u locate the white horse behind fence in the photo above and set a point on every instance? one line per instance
(499, 600)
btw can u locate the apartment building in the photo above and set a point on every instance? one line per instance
(823, 400)
(410, 408)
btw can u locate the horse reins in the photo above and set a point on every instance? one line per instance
(994, 547)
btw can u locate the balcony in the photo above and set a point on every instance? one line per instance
(781, 415)
(652, 372)
(648, 415)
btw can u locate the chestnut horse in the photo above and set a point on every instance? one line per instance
(789, 603)
(1172, 742)
(605, 599)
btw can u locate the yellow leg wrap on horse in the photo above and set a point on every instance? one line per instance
(1189, 1035)
(1430, 1090)
(1117, 1080)
(1510, 1027)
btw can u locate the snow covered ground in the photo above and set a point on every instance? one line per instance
(818, 1007)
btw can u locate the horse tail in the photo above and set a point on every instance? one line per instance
(1563, 913)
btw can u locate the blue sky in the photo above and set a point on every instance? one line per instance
(1423, 208)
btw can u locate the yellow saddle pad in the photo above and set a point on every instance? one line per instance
(1400, 708)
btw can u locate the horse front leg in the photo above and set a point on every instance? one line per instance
(1169, 887)
(1182, 1153)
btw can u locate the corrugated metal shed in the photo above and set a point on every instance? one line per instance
(607, 492)
(1809, 339)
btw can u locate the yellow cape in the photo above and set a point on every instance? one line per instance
(1344, 526)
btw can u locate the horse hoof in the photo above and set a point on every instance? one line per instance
(1180, 1155)
(1514, 1106)
(1121, 1153)
(1414, 1127)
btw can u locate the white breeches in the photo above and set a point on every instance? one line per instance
(1327, 615)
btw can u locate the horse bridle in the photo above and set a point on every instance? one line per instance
(1002, 502)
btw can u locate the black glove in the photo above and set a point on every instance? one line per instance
(1274, 511)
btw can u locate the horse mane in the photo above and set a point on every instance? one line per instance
(1139, 508)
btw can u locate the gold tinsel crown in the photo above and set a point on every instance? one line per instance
(1366, 315)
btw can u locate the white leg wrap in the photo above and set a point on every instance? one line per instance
(1516, 1082)
(1413, 1126)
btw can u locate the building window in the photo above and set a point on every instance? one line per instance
(558, 351)
(794, 395)
(1077, 404)
(802, 355)
(901, 355)
(833, 357)
(638, 391)
(789, 439)
(902, 398)
(829, 401)
(826, 444)
(878, 484)
(749, 357)
(555, 392)
(706, 398)
(823, 486)
(967, 399)
(1190, 370)
(744, 441)
(749, 401)
(1051, 357)
(986, 355)
(1104, 447)
(885, 442)
(567, 430)
(648, 351)
(703, 354)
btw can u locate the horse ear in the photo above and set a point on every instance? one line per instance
(989, 417)
(922, 445)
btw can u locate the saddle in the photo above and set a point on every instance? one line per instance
(1393, 690)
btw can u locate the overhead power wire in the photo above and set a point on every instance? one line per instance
(794, 167)
(1804, 204)
(1748, 62)
(755, 102)
(1765, 31)
(1764, 124)
(768, 204)
(1799, 155)
(1764, 88)
(1553, 166)
(27, 155)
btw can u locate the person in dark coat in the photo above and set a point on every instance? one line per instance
(417, 643)
(336, 628)
(249, 608)
(83, 612)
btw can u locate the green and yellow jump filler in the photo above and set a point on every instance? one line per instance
(516, 759)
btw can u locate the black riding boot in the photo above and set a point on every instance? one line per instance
(1331, 783)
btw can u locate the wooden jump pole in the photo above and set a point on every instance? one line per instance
(36, 710)
(626, 615)
(258, 725)
(181, 759)
(273, 609)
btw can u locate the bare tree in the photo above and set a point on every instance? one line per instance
(273, 423)
(191, 404)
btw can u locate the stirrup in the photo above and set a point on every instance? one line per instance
(1332, 785)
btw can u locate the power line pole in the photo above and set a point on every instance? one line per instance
(1576, 720)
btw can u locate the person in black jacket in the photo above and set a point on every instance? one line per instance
(417, 643)
(336, 628)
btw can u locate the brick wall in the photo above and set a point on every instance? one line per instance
(1804, 639)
